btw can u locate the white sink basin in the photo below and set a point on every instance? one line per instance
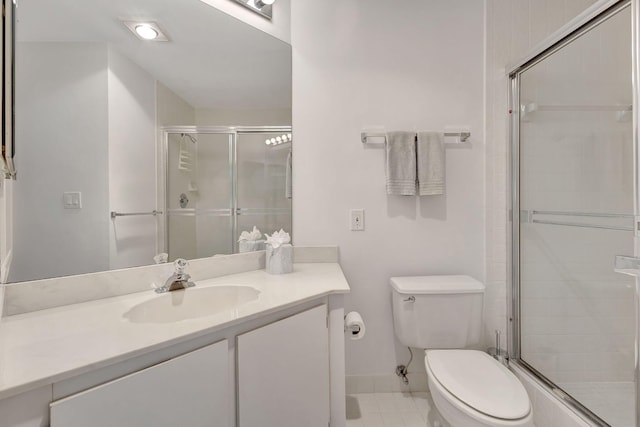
(191, 303)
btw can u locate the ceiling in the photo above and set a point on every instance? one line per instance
(212, 59)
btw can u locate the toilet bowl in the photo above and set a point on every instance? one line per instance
(469, 388)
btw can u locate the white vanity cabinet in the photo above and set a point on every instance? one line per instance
(283, 372)
(188, 390)
(278, 361)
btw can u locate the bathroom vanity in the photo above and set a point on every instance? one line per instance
(247, 349)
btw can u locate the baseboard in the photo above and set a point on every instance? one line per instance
(390, 383)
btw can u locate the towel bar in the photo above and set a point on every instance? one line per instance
(115, 214)
(464, 136)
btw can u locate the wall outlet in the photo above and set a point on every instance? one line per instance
(356, 219)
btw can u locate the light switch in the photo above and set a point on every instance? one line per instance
(72, 200)
(356, 219)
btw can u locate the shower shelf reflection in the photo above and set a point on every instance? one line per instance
(529, 217)
(623, 111)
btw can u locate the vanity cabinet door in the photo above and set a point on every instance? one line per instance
(283, 373)
(189, 390)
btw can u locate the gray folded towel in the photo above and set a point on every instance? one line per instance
(431, 163)
(401, 163)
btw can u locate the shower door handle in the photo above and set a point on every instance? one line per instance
(628, 265)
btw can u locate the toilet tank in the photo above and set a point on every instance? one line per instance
(437, 311)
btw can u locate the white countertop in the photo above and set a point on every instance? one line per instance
(46, 346)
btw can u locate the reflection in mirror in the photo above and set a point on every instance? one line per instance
(92, 100)
(221, 184)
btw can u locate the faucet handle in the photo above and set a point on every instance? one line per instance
(180, 264)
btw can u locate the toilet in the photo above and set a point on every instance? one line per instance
(443, 315)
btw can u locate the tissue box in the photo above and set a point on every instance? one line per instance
(279, 260)
(250, 245)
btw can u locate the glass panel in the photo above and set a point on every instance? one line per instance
(576, 202)
(199, 195)
(264, 197)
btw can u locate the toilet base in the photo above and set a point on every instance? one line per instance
(435, 418)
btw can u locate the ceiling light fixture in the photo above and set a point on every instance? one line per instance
(147, 30)
(261, 7)
(278, 139)
(262, 3)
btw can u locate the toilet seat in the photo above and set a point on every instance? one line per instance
(479, 386)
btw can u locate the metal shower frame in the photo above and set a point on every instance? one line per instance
(232, 132)
(592, 17)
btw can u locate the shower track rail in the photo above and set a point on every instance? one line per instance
(528, 216)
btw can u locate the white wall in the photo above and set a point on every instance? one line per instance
(256, 117)
(279, 26)
(415, 67)
(171, 109)
(61, 123)
(132, 162)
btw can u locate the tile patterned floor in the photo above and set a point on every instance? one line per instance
(612, 401)
(390, 410)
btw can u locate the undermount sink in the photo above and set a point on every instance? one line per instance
(191, 303)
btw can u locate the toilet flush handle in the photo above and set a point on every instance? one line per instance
(410, 299)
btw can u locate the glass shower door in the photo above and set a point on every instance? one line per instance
(199, 194)
(221, 181)
(576, 209)
(264, 182)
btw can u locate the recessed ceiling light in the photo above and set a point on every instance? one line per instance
(146, 30)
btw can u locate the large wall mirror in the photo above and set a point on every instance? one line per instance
(127, 148)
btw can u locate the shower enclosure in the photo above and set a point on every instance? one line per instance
(574, 210)
(220, 181)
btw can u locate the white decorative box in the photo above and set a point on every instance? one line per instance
(280, 259)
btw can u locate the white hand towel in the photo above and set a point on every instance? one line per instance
(431, 163)
(401, 163)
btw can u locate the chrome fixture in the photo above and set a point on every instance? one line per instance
(184, 200)
(529, 217)
(497, 352)
(403, 370)
(8, 149)
(364, 136)
(261, 7)
(115, 214)
(191, 137)
(179, 279)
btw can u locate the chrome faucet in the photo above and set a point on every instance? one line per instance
(179, 279)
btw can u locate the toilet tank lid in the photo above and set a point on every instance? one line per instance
(437, 285)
